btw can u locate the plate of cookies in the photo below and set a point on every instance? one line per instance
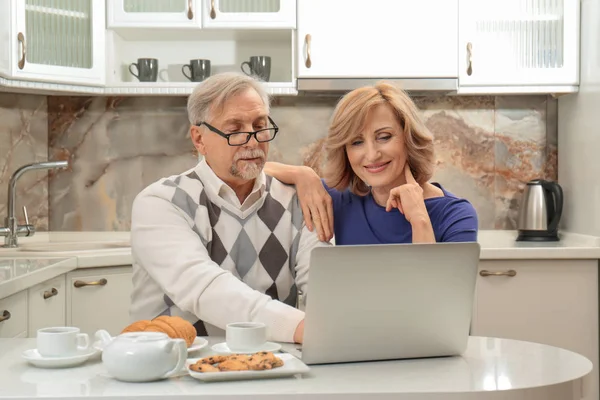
(260, 365)
(175, 327)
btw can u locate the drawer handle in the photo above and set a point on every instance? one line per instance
(470, 58)
(308, 61)
(190, 13)
(100, 282)
(510, 272)
(5, 316)
(50, 293)
(213, 13)
(21, 39)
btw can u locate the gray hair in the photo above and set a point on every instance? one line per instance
(212, 94)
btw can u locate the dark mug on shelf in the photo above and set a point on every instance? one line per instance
(260, 66)
(147, 69)
(199, 70)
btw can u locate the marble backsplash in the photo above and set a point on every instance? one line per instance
(487, 148)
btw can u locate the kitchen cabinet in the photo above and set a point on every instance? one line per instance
(99, 298)
(46, 305)
(357, 39)
(13, 315)
(153, 14)
(249, 14)
(554, 302)
(60, 41)
(518, 46)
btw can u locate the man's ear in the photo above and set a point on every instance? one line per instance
(198, 139)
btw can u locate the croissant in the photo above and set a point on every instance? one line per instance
(175, 327)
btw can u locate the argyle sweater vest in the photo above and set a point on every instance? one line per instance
(259, 249)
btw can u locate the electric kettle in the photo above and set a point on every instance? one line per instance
(540, 211)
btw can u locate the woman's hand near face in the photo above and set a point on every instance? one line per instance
(316, 204)
(408, 199)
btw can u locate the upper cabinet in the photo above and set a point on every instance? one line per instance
(58, 41)
(259, 14)
(377, 39)
(519, 45)
(153, 13)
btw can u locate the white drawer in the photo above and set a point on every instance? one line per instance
(14, 309)
(47, 304)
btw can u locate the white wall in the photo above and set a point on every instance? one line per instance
(579, 133)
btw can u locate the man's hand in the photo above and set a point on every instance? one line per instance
(316, 204)
(299, 334)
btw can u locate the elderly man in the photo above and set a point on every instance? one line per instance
(223, 242)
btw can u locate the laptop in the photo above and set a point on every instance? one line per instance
(391, 301)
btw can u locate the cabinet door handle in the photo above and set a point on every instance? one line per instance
(190, 13)
(213, 13)
(5, 316)
(50, 293)
(469, 58)
(100, 282)
(21, 39)
(307, 40)
(510, 272)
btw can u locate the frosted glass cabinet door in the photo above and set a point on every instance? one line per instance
(61, 41)
(153, 13)
(259, 14)
(519, 42)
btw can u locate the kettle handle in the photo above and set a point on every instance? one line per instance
(557, 194)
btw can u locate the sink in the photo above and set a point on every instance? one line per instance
(63, 247)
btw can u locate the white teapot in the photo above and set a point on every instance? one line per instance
(142, 356)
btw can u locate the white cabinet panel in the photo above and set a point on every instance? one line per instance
(153, 14)
(99, 298)
(60, 41)
(248, 14)
(519, 42)
(13, 315)
(47, 305)
(377, 39)
(554, 302)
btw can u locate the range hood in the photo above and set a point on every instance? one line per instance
(415, 86)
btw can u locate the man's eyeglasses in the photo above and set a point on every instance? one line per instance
(241, 138)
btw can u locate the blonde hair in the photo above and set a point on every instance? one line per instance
(349, 117)
(212, 93)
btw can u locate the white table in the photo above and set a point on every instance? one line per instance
(490, 369)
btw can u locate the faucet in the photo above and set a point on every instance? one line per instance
(13, 230)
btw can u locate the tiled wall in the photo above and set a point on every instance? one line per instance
(487, 147)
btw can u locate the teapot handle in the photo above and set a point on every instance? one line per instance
(557, 194)
(181, 347)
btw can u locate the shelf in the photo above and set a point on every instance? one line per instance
(185, 88)
(127, 88)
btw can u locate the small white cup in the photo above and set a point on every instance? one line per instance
(63, 341)
(245, 336)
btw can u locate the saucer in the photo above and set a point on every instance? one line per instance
(35, 358)
(223, 349)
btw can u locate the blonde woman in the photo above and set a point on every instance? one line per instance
(376, 187)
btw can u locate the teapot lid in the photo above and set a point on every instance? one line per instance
(144, 336)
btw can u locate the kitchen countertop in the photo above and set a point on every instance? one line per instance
(517, 369)
(22, 268)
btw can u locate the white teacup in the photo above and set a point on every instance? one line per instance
(63, 341)
(245, 336)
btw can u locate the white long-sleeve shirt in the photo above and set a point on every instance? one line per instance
(200, 254)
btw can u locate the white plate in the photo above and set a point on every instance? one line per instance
(291, 366)
(222, 348)
(35, 358)
(199, 343)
